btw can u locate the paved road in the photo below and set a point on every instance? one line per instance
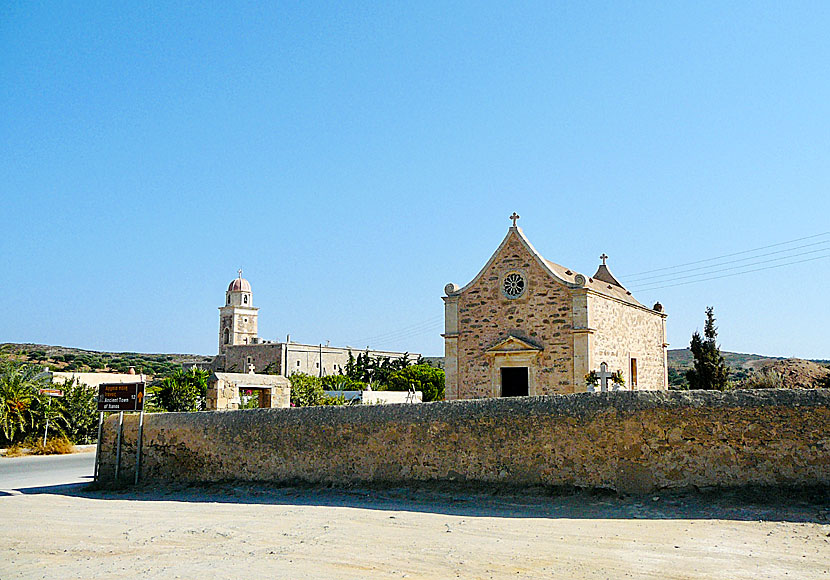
(22, 473)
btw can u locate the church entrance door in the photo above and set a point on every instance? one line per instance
(514, 382)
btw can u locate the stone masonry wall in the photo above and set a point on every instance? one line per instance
(542, 315)
(624, 332)
(261, 355)
(627, 441)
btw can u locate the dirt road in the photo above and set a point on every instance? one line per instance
(244, 532)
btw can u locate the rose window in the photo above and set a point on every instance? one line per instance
(513, 285)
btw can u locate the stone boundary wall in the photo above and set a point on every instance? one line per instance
(625, 441)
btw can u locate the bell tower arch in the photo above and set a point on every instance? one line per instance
(238, 317)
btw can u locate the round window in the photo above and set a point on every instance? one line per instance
(513, 285)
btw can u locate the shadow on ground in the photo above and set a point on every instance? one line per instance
(736, 504)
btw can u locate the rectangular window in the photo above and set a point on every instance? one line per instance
(633, 373)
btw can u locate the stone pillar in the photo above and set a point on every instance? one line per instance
(583, 340)
(451, 342)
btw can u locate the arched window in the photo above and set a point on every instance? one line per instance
(229, 299)
(245, 298)
(226, 336)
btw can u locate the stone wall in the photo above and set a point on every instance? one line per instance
(262, 356)
(627, 441)
(623, 332)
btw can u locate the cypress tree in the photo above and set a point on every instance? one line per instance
(710, 371)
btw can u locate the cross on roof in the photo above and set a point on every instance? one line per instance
(239, 272)
(603, 257)
(514, 217)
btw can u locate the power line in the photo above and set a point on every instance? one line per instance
(405, 332)
(630, 276)
(646, 285)
(667, 275)
(739, 273)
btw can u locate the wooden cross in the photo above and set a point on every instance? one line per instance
(514, 217)
(604, 375)
(603, 257)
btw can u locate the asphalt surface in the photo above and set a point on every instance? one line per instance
(32, 472)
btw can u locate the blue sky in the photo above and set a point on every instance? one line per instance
(353, 158)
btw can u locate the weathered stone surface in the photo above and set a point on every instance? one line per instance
(627, 441)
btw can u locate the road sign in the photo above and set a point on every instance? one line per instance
(121, 397)
(51, 392)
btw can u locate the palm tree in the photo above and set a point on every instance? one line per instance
(19, 398)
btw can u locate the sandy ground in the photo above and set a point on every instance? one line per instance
(250, 532)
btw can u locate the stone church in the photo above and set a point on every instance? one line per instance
(241, 348)
(528, 326)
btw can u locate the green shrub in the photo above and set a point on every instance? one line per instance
(306, 390)
(764, 379)
(183, 391)
(80, 408)
(424, 378)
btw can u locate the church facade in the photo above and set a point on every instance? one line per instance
(528, 326)
(241, 348)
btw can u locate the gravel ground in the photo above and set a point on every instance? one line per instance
(228, 531)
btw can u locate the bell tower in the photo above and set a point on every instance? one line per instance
(238, 317)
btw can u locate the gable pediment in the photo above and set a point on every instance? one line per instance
(513, 344)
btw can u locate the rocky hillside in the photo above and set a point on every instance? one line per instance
(795, 373)
(62, 358)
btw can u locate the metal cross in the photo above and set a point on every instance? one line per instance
(603, 257)
(239, 272)
(604, 375)
(514, 217)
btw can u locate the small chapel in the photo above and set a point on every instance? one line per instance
(526, 326)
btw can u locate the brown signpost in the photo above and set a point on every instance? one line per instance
(120, 397)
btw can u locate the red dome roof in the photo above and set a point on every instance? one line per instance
(239, 285)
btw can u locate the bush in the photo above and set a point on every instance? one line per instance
(764, 379)
(80, 407)
(341, 383)
(183, 391)
(424, 378)
(54, 446)
(307, 391)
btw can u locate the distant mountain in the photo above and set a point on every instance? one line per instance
(62, 358)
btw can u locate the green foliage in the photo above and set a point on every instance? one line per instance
(80, 408)
(764, 379)
(341, 383)
(249, 399)
(374, 371)
(677, 380)
(423, 378)
(183, 391)
(710, 371)
(307, 391)
(592, 378)
(21, 406)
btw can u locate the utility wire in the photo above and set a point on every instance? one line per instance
(630, 276)
(647, 284)
(405, 332)
(739, 273)
(671, 274)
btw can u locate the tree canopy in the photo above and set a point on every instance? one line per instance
(710, 371)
